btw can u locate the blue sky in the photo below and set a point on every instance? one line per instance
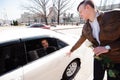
(12, 9)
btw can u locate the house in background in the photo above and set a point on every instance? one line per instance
(52, 16)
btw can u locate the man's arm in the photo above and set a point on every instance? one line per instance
(102, 49)
(78, 43)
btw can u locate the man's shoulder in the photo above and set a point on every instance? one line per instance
(86, 27)
(110, 16)
(52, 47)
(86, 24)
(112, 13)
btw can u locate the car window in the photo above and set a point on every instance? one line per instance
(61, 44)
(35, 49)
(11, 57)
(41, 25)
(37, 25)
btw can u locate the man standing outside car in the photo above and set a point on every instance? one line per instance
(103, 30)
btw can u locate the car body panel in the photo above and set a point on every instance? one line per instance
(50, 67)
(13, 75)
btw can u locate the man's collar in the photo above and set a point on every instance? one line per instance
(98, 15)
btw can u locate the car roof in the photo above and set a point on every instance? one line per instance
(15, 34)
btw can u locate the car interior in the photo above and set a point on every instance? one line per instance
(35, 50)
(11, 57)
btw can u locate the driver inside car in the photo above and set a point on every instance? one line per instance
(47, 48)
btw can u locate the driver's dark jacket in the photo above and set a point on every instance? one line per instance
(109, 23)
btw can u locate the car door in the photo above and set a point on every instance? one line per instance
(13, 75)
(45, 67)
(11, 60)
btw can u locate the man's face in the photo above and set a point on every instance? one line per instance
(44, 43)
(83, 12)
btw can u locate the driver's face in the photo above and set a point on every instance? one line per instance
(44, 43)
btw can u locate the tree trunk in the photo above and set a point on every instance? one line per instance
(58, 18)
(46, 21)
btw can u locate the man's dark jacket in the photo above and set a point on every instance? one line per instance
(109, 23)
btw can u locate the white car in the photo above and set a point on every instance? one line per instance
(22, 56)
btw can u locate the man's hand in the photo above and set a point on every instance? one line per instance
(69, 53)
(100, 50)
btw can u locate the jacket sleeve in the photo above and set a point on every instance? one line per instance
(112, 20)
(115, 45)
(78, 43)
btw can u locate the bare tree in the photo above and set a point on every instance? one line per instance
(105, 2)
(40, 7)
(101, 4)
(112, 2)
(62, 6)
